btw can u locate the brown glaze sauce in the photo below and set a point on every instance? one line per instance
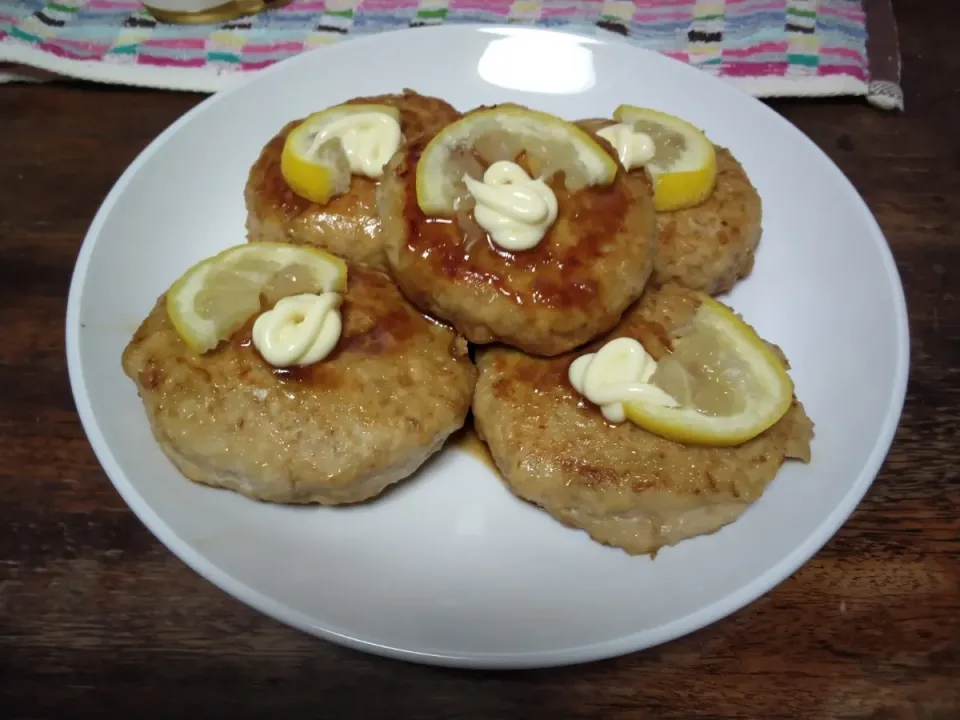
(418, 114)
(376, 321)
(468, 441)
(547, 375)
(273, 190)
(556, 273)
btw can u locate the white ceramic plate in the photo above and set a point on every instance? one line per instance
(450, 568)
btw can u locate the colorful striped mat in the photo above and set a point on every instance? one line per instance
(768, 47)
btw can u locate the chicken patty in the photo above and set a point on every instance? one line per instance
(625, 486)
(348, 225)
(338, 431)
(590, 266)
(711, 246)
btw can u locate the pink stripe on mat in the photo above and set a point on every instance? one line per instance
(501, 7)
(841, 52)
(177, 43)
(312, 6)
(552, 12)
(256, 65)
(661, 3)
(772, 5)
(848, 70)
(766, 47)
(654, 17)
(389, 4)
(114, 5)
(64, 52)
(748, 69)
(90, 47)
(171, 62)
(276, 47)
(854, 12)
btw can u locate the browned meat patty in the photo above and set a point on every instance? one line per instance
(338, 431)
(711, 246)
(625, 486)
(348, 225)
(590, 266)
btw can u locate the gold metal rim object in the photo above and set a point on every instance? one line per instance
(230, 10)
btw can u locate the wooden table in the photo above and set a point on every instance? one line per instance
(95, 615)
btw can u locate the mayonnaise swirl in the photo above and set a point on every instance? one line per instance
(618, 372)
(299, 330)
(634, 148)
(369, 140)
(514, 209)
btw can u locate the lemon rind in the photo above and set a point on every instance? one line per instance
(698, 169)
(432, 193)
(200, 334)
(313, 120)
(687, 425)
(297, 143)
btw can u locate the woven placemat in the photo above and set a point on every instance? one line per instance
(768, 47)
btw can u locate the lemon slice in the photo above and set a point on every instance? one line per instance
(551, 143)
(684, 168)
(730, 384)
(320, 171)
(215, 297)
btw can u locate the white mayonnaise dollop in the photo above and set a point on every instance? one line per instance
(618, 372)
(299, 330)
(369, 140)
(513, 208)
(634, 148)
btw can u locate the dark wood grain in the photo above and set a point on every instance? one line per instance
(96, 616)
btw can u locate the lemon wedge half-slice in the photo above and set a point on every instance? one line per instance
(550, 144)
(314, 162)
(730, 384)
(684, 167)
(215, 297)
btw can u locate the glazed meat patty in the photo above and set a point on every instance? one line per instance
(623, 485)
(348, 225)
(338, 431)
(590, 266)
(711, 246)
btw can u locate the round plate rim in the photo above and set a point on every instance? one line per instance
(679, 627)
